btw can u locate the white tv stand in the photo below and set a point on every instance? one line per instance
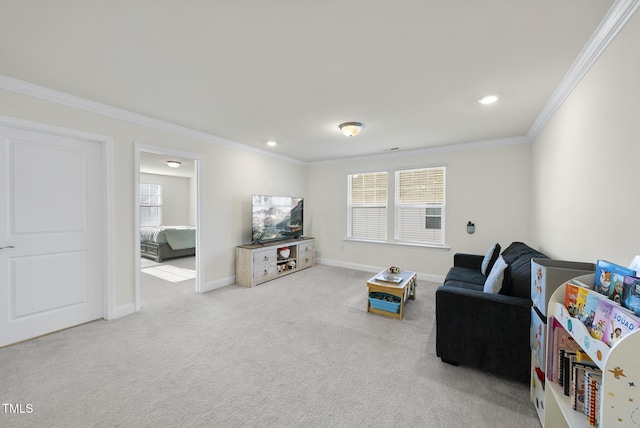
(258, 263)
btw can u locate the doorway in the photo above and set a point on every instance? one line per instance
(183, 210)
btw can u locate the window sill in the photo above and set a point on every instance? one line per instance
(405, 244)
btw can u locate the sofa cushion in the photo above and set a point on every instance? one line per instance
(466, 275)
(490, 258)
(496, 280)
(463, 285)
(518, 256)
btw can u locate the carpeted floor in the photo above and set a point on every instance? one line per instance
(297, 351)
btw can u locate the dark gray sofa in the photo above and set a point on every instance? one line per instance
(484, 330)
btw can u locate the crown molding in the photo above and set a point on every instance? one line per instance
(30, 89)
(615, 19)
(461, 147)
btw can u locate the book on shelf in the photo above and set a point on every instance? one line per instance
(621, 322)
(575, 298)
(581, 301)
(631, 294)
(568, 359)
(561, 342)
(604, 271)
(601, 319)
(616, 287)
(578, 385)
(574, 363)
(571, 298)
(583, 358)
(590, 308)
(592, 397)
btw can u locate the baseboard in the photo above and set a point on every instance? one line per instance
(218, 283)
(438, 279)
(375, 269)
(347, 265)
(124, 310)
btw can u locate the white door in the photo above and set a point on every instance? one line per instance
(51, 233)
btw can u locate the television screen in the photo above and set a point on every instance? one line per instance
(276, 217)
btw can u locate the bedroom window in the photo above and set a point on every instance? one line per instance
(150, 204)
(367, 206)
(419, 205)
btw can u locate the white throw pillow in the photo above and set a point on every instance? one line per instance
(490, 258)
(494, 281)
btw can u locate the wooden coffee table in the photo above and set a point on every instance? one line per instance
(405, 289)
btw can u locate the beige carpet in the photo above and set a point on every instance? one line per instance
(300, 351)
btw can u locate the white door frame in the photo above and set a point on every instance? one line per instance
(140, 148)
(108, 284)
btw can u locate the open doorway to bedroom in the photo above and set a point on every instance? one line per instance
(168, 197)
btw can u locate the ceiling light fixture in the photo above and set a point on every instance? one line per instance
(488, 99)
(173, 164)
(351, 129)
(271, 143)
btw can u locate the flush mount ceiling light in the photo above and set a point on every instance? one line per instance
(488, 99)
(173, 164)
(351, 129)
(271, 143)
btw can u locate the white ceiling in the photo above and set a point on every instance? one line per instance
(153, 163)
(250, 71)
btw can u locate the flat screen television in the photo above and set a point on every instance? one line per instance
(276, 217)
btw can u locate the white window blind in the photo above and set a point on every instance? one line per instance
(150, 204)
(420, 205)
(368, 206)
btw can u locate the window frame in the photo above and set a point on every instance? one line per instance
(376, 204)
(149, 205)
(424, 201)
(392, 207)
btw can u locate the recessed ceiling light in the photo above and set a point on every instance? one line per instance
(488, 99)
(271, 143)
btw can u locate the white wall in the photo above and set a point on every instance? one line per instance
(176, 198)
(586, 162)
(488, 186)
(576, 184)
(231, 176)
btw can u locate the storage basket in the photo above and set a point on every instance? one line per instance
(385, 302)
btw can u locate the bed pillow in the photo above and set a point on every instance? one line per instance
(496, 279)
(490, 258)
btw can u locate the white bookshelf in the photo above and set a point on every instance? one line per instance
(620, 399)
(546, 276)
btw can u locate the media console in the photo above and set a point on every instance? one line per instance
(258, 263)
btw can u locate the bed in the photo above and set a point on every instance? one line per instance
(167, 242)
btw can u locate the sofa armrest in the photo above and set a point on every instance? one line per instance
(471, 261)
(484, 330)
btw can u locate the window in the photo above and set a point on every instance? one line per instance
(150, 204)
(367, 204)
(419, 205)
